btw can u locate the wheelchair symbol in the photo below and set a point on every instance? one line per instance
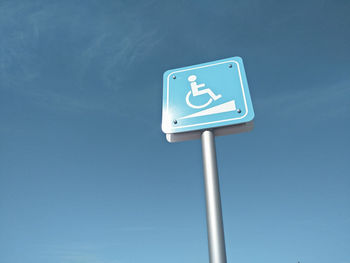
(196, 92)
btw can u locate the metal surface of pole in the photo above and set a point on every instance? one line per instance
(216, 240)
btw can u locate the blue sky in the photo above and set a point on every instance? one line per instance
(86, 175)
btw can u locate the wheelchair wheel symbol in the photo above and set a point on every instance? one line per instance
(195, 106)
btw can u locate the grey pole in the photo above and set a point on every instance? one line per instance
(216, 240)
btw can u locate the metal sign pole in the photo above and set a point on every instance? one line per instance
(216, 240)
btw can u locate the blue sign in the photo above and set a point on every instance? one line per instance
(208, 95)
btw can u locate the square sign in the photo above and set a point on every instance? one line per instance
(205, 96)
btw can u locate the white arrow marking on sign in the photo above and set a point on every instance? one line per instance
(225, 107)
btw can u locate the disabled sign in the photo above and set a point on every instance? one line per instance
(206, 96)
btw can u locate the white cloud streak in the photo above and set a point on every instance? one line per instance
(106, 48)
(317, 103)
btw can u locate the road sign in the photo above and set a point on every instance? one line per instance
(206, 96)
(204, 101)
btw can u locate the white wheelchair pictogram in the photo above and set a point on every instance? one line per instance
(196, 92)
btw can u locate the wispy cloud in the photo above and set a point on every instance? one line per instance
(82, 257)
(90, 251)
(78, 252)
(65, 56)
(317, 103)
(136, 228)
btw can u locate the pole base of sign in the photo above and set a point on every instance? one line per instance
(195, 135)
